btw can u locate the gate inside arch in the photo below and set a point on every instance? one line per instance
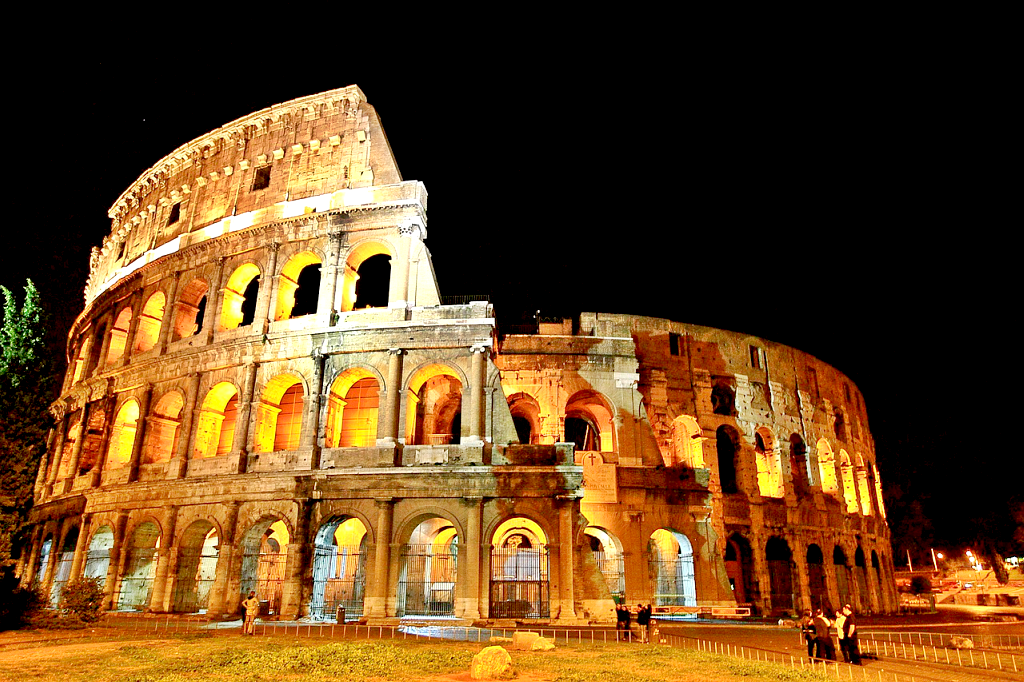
(670, 566)
(429, 570)
(520, 569)
(263, 561)
(339, 569)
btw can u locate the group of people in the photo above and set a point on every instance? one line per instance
(819, 638)
(623, 616)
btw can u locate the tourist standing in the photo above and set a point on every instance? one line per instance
(807, 628)
(840, 634)
(252, 608)
(850, 635)
(643, 618)
(822, 639)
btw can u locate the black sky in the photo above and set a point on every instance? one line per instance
(849, 208)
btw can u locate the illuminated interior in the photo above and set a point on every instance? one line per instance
(687, 443)
(289, 290)
(279, 415)
(849, 485)
(769, 468)
(864, 491)
(526, 417)
(827, 468)
(429, 570)
(119, 335)
(349, 280)
(163, 428)
(190, 310)
(588, 422)
(216, 428)
(239, 297)
(878, 491)
(148, 331)
(434, 406)
(670, 557)
(122, 437)
(352, 410)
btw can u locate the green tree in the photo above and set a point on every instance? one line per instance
(26, 390)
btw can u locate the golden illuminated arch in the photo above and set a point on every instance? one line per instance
(216, 429)
(863, 486)
(122, 436)
(687, 443)
(82, 359)
(519, 525)
(288, 282)
(231, 314)
(769, 467)
(119, 335)
(362, 251)
(279, 414)
(148, 330)
(163, 428)
(352, 409)
(193, 299)
(433, 405)
(827, 467)
(595, 411)
(525, 411)
(849, 484)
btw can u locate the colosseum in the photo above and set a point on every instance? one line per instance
(266, 391)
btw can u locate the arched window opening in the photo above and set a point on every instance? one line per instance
(827, 468)
(778, 557)
(190, 311)
(840, 425)
(298, 287)
(279, 415)
(434, 407)
(798, 464)
(97, 559)
(607, 552)
(739, 568)
(842, 575)
(122, 437)
(816, 577)
(769, 469)
(429, 570)
(239, 297)
(670, 564)
(525, 417)
(863, 487)
(139, 568)
(264, 548)
(879, 501)
(520, 569)
(723, 398)
(95, 348)
(43, 562)
(339, 570)
(119, 336)
(74, 432)
(148, 331)
(163, 429)
(373, 282)
(588, 422)
(687, 443)
(860, 576)
(584, 433)
(216, 429)
(94, 438)
(352, 411)
(849, 485)
(308, 291)
(728, 445)
(62, 570)
(81, 360)
(198, 551)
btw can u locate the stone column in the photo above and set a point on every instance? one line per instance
(872, 578)
(216, 297)
(163, 580)
(477, 407)
(393, 399)
(241, 439)
(376, 599)
(471, 570)
(113, 568)
(178, 466)
(101, 461)
(225, 556)
(329, 279)
(58, 452)
(311, 418)
(76, 451)
(296, 563)
(761, 573)
(140, 434)
(170, 308)
(33, 556)
(566, 561)
(81, 548)
(803, 576)
(267, 280)
(133, 328)
(398, 291)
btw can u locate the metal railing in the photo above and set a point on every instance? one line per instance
(946, 655)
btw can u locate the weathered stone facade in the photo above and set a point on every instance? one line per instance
(266, 391)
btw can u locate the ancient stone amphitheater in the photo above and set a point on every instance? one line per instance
(266, 391)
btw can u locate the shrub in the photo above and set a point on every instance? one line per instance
(17, 606)
(920, 584)
(81, 599)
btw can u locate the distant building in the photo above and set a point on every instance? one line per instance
(267, 391)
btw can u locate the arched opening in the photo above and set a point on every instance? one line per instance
(816, 578)
(434, 407)
(839, 426)
(163, 429)
(798, 464)
(122, 436)
(97, 560)
(62, 571)
(779, 559)
(298, 288)
(520, 566)
(827, 468)
(687, 443)
(739, 568)
(878, 491)
(43, 563)
(860, 575)
(216, 429)
(197, 568)
(373, 281)
(352, 410)
(279, 415)
(727, 440)
(670, 567)
(849, 485)
(81, 360)
(239, 297)
(723, 397)
(607, 552)
(429, 570)
(769, 468)
(589, 423)
(863, 487)
(876, 572)
(139, 568)
(93, 435)
(95, 348)
(148, 331)
(526, 417)
(119, 336)
(339, 570)
(842, 575)
(264, 555)
(190, 311)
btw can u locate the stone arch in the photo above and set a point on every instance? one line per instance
(136, 585)
(434, 405)
(839, 425)
(147, 332)
(860, 578)
(769, 468)
(264, 556)
(360, 253)
(353, 408)
(863, 486)
(163, 428)
(843, 578)
(798, 468)
(96, 348)
(122, 435)
(827, 468)
(119, 335)
(687, 443)
(238, 297)
(97, 558)
(590, 422)
(190, 315)
(217, 420)
(520, 567)
(62, 568)
(873, 473)
(816, 577)
(606, 549)
(729, 445)
(428, 565)
(43, 559)
(198, 550)
(671, 568)
(339, 568)
(779, 560)
(279, 414)
(739, 568)
(526, 417)
(81, 359)
(723, 397)
(298, 286)
(849, 484)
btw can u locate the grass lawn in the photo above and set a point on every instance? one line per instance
(213, 658)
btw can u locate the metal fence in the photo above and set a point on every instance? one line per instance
(946, 655)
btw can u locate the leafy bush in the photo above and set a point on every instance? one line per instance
(920, 584)
(17, 606)
(82, 599)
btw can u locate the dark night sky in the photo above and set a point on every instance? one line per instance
(851, 210)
